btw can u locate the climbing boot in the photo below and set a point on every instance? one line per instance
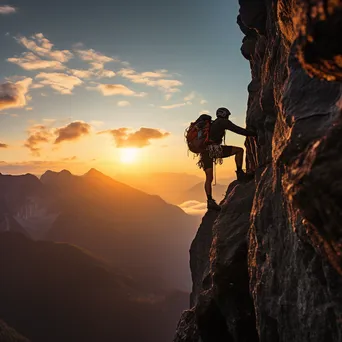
(242, 176)
(212, 205)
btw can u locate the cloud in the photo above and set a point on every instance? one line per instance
(96, 59)
(123, 103)
(194, 208)
(37, 86)
(152, 79)
(30, 61)
(190, 97)
(168, 97)
(203, 102)
(61, 82)
(176, 105)
(81, 73)
(155, 74)
(93, 56)
(124, 137)
(6, 9)
(72, 131)
(14, 95)
(44, 133)
(101, 73)
(44, 48)
(117, 89)
(70, 158)
(105, 73)
(204, 112)
(2, 145)
(38, 134)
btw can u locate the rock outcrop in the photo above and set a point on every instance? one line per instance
(269, 267)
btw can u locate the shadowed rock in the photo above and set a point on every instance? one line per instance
(285, 249)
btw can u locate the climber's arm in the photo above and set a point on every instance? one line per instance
(238, 130)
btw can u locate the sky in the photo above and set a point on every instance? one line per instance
(113, 85)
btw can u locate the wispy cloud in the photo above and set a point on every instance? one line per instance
(81, 73)
(105, 73)
(61, 82)
(194, 208)
(99, 73)
(176, 105)
(125, 137)
(94, 56)
(30, 61)
(14, 95)
(69, 158)
(2, 145)
(42, 55)
(152, 79)
(123, 103)
(72, 131)
(6, 9)
(203, 102)
(37, 86)
(44, 48)
(38, 134)
(190, 97)
(96, 59)
(117, 89)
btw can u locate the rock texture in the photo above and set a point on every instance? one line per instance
(271, 268)
(8, 334)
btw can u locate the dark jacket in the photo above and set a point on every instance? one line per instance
(219, 127)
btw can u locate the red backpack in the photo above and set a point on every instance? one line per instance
(197, 135)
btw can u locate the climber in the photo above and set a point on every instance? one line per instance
(216, 151)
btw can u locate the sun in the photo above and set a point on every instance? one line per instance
(128, 155)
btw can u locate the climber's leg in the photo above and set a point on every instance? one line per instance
(207, 164)
(238, 152)
(209, 176)
(228, 151)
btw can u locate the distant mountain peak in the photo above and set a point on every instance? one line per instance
(94, 173)
(49, 175)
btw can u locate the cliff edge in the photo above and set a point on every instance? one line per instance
(268, 268)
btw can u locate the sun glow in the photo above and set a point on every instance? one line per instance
(128, 155)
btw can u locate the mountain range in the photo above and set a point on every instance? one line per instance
(129, 229)
(53, 292)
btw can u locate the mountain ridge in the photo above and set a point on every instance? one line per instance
(70, 296)
(109, 218)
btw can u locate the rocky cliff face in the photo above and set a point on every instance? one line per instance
(269, 267)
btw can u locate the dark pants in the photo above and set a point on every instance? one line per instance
(208, 163)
